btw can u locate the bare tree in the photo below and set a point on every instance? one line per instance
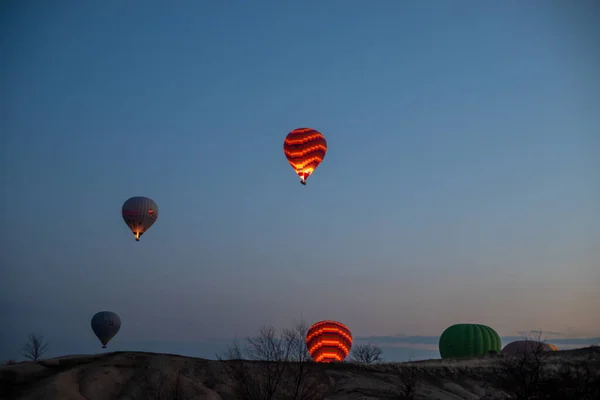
(156, 384)
(163, 386)
(240, 373)
(523, 375)
(35, 347)
(576, 379)
(367, 353)
(300, 385)
(270, 366)
(409, 377)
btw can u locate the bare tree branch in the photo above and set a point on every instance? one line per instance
(35, 347)
(240, 373)
(576, 379)
(300, 383)
(367, 353)
(524, 373)
(279, 367)
(409, 376)
(296, 337)
(157, 384)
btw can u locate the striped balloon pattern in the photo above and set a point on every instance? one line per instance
(328, 341)
(305, 149)
(139, 213)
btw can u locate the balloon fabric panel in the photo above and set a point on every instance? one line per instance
(328, 341)
(305, 149)
(105, 325)
(468, 340)
(139, 213)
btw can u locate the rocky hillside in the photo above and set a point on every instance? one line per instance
(135, 376)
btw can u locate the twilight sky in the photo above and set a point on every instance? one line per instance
(461, 183)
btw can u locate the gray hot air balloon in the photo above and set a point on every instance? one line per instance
(527, 346)
(139, 213)
(105, 325)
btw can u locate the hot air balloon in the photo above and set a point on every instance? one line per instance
(468, 340)
(527, 346)
(304, 148)
(105, 325)
(328, 341)
(139, 213)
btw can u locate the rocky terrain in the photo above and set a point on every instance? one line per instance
(134, 376)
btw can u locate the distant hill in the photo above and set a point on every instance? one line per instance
(137, 376)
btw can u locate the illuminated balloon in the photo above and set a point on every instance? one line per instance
(468, 340)
(328, 341)
(527, 346)
(105, 325)
(304, 148)
(139, 213)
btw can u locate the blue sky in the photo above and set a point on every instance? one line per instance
(461, 182)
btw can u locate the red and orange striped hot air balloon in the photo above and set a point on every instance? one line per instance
(328, 341)
(305, 148)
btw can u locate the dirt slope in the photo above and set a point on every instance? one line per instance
(136, 376)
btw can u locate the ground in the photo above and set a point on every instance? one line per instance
(136, 375)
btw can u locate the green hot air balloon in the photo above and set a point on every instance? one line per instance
(469, 340)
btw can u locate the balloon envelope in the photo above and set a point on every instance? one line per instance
(105, 325)
(139, 213)
(526, 347)
(304, 149)
(328, 341)
(468, 340)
